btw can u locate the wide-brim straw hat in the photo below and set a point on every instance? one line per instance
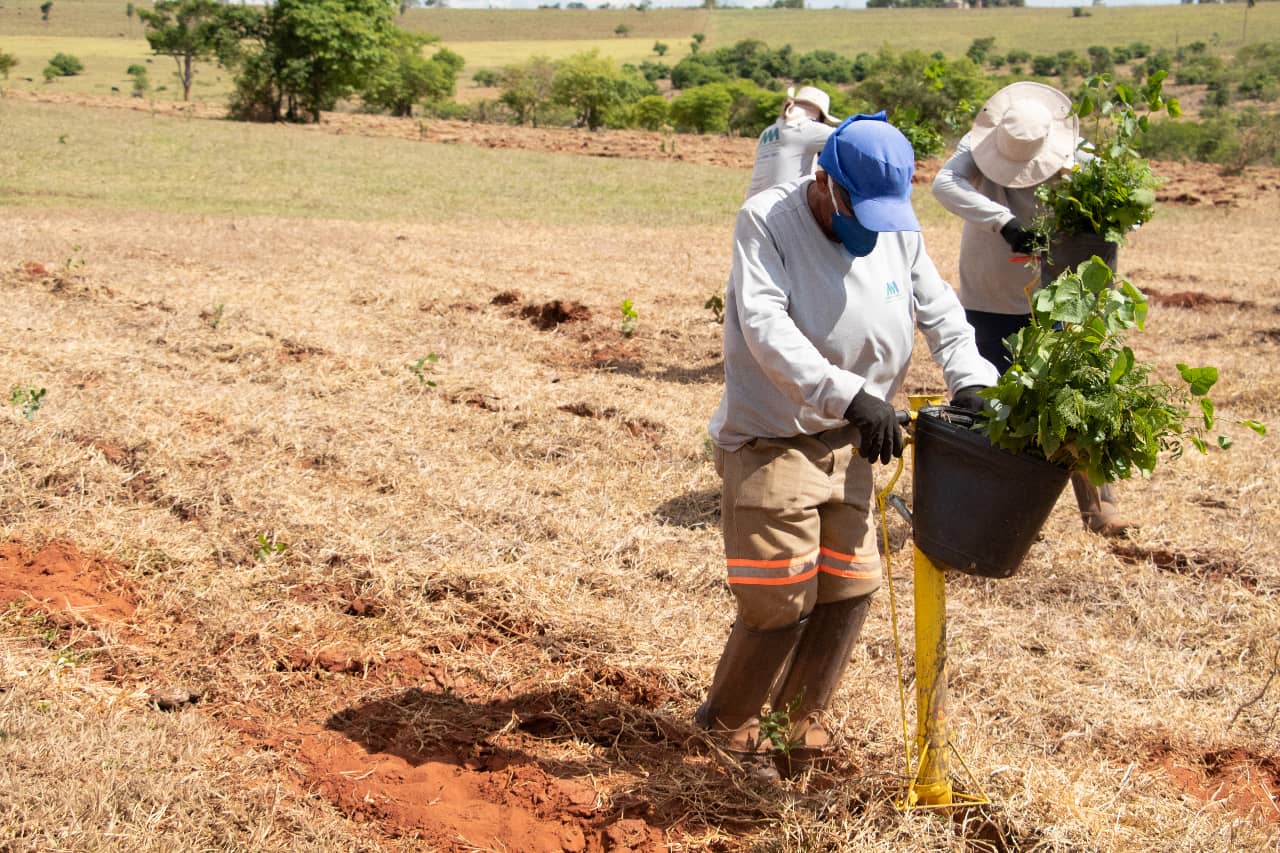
(816, 98)
(1024, 135)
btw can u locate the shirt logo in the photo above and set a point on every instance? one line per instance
(891, 291)
(770, 135)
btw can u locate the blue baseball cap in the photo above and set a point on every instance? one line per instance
(874, 163)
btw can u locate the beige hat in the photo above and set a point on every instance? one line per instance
(1024, 135)
(814, 97)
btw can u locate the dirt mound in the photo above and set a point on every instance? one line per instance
(63, 583)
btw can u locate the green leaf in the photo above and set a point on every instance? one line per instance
(1095, 274)
(1225, 442)
(1174, 108)
(1122, 366)
(1257, 426)
(1206, 408)
(1201, 379)
(1199, 444)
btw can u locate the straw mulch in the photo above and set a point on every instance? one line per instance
(405, 555)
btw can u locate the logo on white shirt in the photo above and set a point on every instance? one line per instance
(892, 292)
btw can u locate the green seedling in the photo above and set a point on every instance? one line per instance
(715, 305)
(72, 263)
(27, 398)
(630, 318)
(268, 547)
(213, 316)
(422, 369)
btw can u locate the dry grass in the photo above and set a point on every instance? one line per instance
(514, 574)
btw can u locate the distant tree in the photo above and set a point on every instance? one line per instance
(703, 109)
(527, 86)
(979, 48)
(7, 62)
(486, 77)
(621, 30)
(1099, 58)
(651, 112)
(406, 77)
(300, 56)
(697, 69)
(660, 48)
(66, 64)
(141, 82)
(45, 8)
(788, 4)
(62, 65)
(593, 85)
(696, 44)
(188, 31)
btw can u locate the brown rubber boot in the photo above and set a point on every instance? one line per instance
(806, 691)
(1099, 509)
(748, 668)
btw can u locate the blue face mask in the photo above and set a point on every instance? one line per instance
(857, 240)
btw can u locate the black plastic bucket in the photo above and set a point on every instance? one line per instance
(1068, 251)
(977, 508)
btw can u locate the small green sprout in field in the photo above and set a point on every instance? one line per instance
(72, 262)
(715, 304)
(630, 318)
(267, 547)
(775, 727)
(26, 397)
(213, 316)
(422, 369)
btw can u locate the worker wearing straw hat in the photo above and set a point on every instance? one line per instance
(829, 284)
(788, 149)
(1024, 136)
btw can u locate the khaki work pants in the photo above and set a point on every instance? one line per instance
(799, 526)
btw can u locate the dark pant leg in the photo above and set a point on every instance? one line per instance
(990, 330)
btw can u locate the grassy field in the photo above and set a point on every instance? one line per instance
(127, 159)
(410, 565)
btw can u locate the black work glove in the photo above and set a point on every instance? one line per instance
(969, 399)
(878, 433)
(1020, 238)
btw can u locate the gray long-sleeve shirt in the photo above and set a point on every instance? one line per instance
(988, 280)
(787, 152)
(807, 326)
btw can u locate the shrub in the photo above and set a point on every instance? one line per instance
(66, 65)
(651, 112)
(703, 109)
(696, 69)
(1044, 66)
(1139, 49)
(1099, 58)
(7, 63)
(1018, 57)
(925, 142)
(654, 71)
(485, 77)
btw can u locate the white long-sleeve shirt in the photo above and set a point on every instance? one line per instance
(988, 280)
(807, 326)
(787, 152)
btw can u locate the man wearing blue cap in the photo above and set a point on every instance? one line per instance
(830, 281)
